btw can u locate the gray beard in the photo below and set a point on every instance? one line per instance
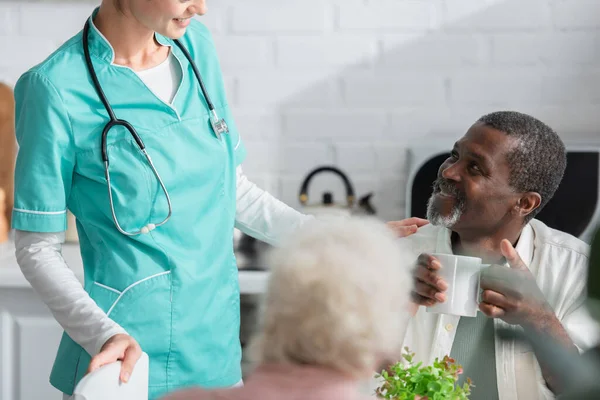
(447, 221)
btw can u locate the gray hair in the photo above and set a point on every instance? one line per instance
(538, 162)
(337, 298)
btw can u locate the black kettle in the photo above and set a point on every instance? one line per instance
(327, 206)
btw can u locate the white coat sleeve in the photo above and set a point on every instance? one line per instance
(40, 259)
(261, 215)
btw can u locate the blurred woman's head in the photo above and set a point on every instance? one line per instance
(336, 298)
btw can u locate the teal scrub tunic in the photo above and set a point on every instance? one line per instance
(175, 290)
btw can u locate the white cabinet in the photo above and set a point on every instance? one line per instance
(29, 337)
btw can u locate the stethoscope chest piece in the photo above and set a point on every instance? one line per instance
(219, 126)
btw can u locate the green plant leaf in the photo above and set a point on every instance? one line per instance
(434, 386)
(405, 380)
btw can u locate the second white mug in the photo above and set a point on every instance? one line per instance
(462, 274)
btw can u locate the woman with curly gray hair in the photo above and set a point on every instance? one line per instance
(334, 312)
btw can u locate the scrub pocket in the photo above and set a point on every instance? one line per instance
(143, 309)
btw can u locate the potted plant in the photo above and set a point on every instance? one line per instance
(407, 381)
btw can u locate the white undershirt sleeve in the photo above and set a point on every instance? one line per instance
(40, 259)
(261, 215)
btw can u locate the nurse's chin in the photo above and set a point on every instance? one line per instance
(174, 33)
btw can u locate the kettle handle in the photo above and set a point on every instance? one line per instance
(347, 184)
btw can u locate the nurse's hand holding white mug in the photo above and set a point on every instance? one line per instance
(127, 125)
(119, 347)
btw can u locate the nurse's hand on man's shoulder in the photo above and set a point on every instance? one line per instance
(119, 347)
(407, 227)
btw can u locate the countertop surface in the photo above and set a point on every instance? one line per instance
(251, 282)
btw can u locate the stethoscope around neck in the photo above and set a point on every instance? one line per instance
(218, 125)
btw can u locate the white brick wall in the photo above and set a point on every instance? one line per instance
(582, 16)
(498, 15)
(391, 15)
(279, 17)
(554, 48)
(356, 82)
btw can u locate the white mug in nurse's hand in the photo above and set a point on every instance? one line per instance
(448, 284)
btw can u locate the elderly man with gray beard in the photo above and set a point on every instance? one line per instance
(500, 174)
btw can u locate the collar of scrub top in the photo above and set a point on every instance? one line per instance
(101, 48)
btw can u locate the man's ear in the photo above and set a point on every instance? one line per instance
(527, 203)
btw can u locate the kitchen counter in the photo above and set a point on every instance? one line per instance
(251, 282)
